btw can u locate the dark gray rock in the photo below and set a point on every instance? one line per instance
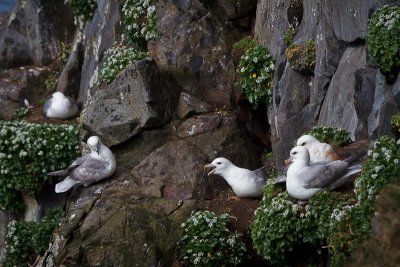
(364, 98)
(98, 36)
(33, 33)
(201, 65)
(386, 104)
(70, 77)
(19, 84)
(236, 9)
(338, 108)
(189, 105)
(3, 231)
(198, 125)
(136, 100)
(352, 25)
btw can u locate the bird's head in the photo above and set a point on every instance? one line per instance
(299, 154)
(218, 166)
(306, 140)
(58, 95)
(94, 143)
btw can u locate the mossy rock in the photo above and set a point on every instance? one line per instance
(302, 57)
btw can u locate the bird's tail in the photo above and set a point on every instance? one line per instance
(58, 173)
(355, 157)
(65, 185)
(351, 170)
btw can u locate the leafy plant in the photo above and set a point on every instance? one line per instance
(289, 35)
(302, 56)
(208, 242)
(26, 240)
(395, 122)
(335, 221)
(83, 11)
(117, 59)
(51, 81)
(383, 39)
(22, 112)
(28, 152)
(330, 135)
(139, 18)
(255, 74)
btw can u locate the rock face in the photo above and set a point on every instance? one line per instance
(336, 93)
(136, 100)
(19, 84)
(134, 218)
(33, 32)
(98, 36)
(201, 65)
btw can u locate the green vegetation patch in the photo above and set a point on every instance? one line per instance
(140, 21)
(333, 221)
(208, 242)
(83, 11)
(395, 122)
(383, 39)
(331, 135)
(117, 59)
(301, 56)
(26, 240)
(28, 152)
(255, 72)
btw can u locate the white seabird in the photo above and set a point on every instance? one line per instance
(319, 152)
(93, 167)
(244, 183)
(304, 180)
(59, 106)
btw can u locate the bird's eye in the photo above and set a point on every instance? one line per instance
(219, 163)
(303, 143)
(294, 153)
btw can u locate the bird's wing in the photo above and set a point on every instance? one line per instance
(260, 174)
(321, 175)
(68, 170)
(91, 170)
(47, 105)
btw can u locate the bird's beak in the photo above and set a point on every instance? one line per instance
(288, 161)
(209, 166)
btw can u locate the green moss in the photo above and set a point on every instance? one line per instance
(255, 73)
(289, 36)
(383, 40)
(28, 152)
(208, 242)
(395, 122)
(83, 11)
(302, 57)
(330, 135)
(26, 240)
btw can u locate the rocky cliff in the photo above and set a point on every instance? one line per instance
(169, 114)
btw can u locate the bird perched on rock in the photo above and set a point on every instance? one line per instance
(93, 167)
(244, 183)
(318, 151)
(59, 106)
(304, 180)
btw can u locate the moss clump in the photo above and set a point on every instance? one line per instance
(255, 72)
(395, 122)
(26, 240)
(301, 56)
(28, 152)
(383, 39)
(330, 135)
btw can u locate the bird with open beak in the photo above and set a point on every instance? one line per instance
(244, 183)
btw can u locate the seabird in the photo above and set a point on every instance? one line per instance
(93, 167)
(59, 106)
(244, 183)
(304, 180)
(319, 152)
